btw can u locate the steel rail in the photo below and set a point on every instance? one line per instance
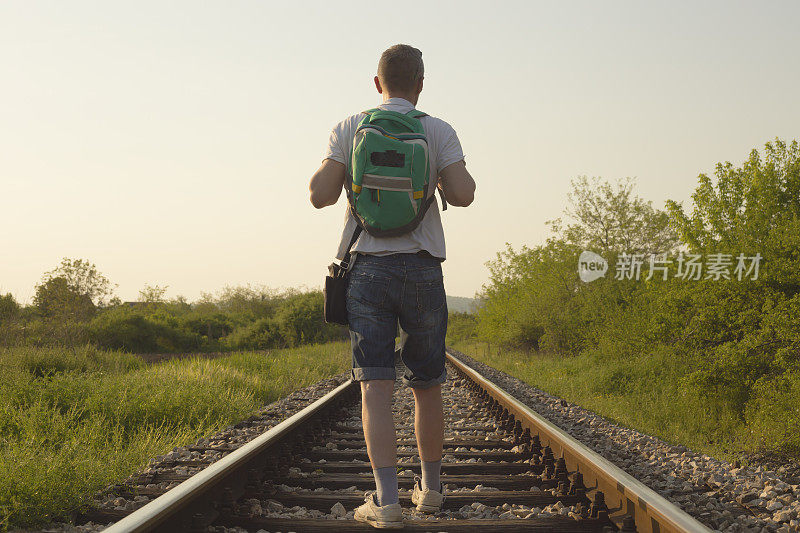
(624, 494)
(162, 513)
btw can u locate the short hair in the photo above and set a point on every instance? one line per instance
(400, 68)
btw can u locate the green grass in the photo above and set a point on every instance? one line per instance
(75, 420)
(647, 393)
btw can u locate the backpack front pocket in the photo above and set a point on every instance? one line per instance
(390, 173)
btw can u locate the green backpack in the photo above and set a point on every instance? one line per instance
(389, 186)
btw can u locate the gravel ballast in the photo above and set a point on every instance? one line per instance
(763, 498)
(751, 498)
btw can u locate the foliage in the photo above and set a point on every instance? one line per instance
(610, 218)
(746, 203)
(65, 314)
(152, 294)
(123, 328)
(83, 279)
(528, 298)
(461, 327)
(645, 392)
(752, 209)
(534, 297)
(247, 301)
(212, 326)
(56, 298)
(75, 420)
(735, 339)
(772, 415)
(298, 321)
(9, 308)
(258, 335)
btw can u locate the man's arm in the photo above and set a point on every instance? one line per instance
(327, 183)
(457, 184)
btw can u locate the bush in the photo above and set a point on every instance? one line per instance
(9, 308)
(122, 328)
(258, 335)
(461, 327)
(737, 341)
(773, 414)
(55, 298)
(71, 308)
(300, 321)
(213, 327)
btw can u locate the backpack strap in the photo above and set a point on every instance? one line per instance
(417, 114)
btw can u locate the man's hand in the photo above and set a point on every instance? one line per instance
(457, 184)
(326, 183)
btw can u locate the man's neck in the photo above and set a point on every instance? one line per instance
(412, 99)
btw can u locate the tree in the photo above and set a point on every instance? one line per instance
(55, 298)
(83, 278)
(746, 204)
(153, 294)
(9, 308)
(534, 297)
(750, 209)
(73, 289)
(611, 218)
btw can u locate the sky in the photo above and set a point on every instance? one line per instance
(171, 143)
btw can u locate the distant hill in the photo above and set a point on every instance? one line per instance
(460, 304)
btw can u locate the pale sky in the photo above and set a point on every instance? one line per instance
(171, 143)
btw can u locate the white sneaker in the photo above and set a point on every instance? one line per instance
(427, 500)
(383, 517)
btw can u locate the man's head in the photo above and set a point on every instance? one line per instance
(400, 73)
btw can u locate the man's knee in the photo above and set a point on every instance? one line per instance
(432, 392)
(377, 389)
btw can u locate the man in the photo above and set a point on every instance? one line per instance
(398, 279)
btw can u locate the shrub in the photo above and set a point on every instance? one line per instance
(122, 328)
(300, 321)
(55, 298)
(258, 335)
(773, 414)
(212, 326)
(461, 327)
(9, 308)
(737, 341)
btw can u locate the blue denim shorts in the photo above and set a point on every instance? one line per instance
(399, 288)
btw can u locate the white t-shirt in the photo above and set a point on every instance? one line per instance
(444, 149)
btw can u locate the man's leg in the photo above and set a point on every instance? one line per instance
(380, 435)
(424, 320)
(373, 325)
(429, 427)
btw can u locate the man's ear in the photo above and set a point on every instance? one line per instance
(419, 85)
(378, 85)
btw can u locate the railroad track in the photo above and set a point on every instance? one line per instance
(506, 469)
